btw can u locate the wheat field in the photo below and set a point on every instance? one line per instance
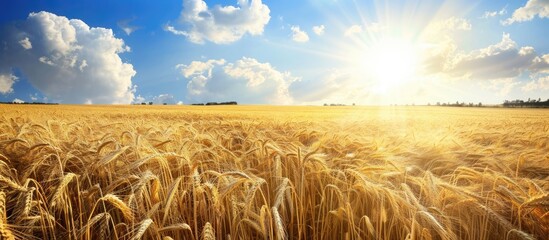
(260, 172)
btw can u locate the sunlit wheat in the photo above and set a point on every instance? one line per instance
(258, 172)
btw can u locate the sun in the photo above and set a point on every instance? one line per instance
(390, 63)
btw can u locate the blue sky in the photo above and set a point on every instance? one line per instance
(274, 52)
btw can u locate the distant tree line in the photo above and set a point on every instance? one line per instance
(335, 104)
(194, 104)
(528, 103)
(30, 103)
(458, 104)
(215, 103)
(533, 103)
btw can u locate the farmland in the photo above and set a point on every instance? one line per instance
(257, 172)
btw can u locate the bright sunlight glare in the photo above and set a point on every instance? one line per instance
(390, 63)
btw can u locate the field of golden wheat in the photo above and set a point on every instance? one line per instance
(259, 172)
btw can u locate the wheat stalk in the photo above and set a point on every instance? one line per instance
(61, 188)
(208, 232)
(143, 226)
(120, 205)
(5, 232)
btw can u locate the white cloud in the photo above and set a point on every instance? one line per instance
(355, 29)
(443, 31)
(17, 100)
(502, 60)
(6, 82)
(246, 80)
(25, 43)
(222, 24)
(198, 67)
(488, 14)
(438, 56)
(319, 30)
(532, 8)
(540, 64)
(458, 24)
(542, 83)
(126, 27)
(160, 99)
(139, 99)
(164, 98)
(174, 31)
(179, 103)
(46, 60)
(298, 35)
(439, 47)
(496, 67)
(450, 24)
(70, 61)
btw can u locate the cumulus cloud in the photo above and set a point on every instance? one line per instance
(68, 61)
(439, 44)
(495, 67)
(171, 29)
(222, 24)
(438, 56)
(352, 30)
(532, 8)
(126, 26)
(246, 80)
(25, 43)
(457, 24)
(502, 60)
(298, 35)
(540, 64)
(541, 83)
(6, 82)
(160, 99)
(139, 99)
(448, 26)
(164, 98)
(17, 100)
(198, 67)
(489, 14)
(319, 30)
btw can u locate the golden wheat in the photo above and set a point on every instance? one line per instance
(259, 172)
(208, 232)
(5, 232)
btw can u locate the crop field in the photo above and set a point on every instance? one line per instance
(261, 172)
